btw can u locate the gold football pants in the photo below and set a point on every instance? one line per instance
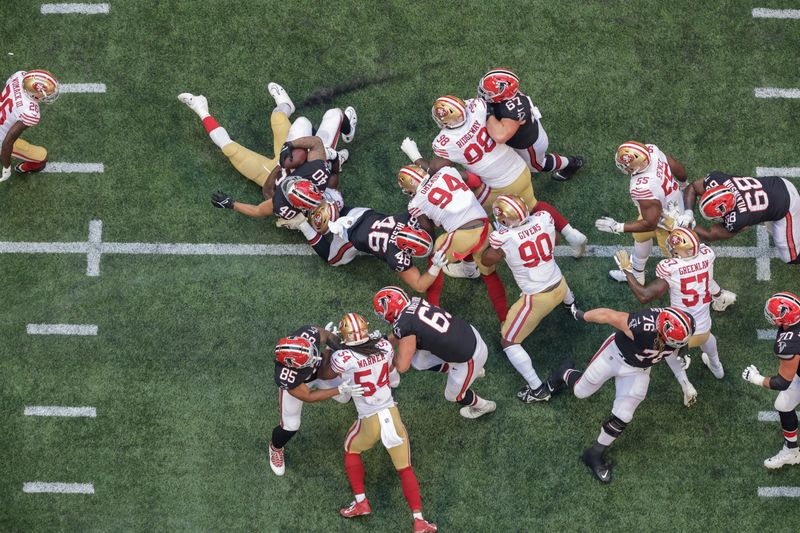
(366, 432)
(522, 187)
(28, 152)
(526, 313)
(257, 167)
(463, 242)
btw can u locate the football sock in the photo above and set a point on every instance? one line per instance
(283, 108)
(411, 489)
(497, 294)
(360, 497)
(470, 398)
(710, 347)
(600, 447)
(417, 516)
(218, 134)
(571, 377)
(473, 181)
(677, 368)
(355, 473)
(559, 219)
(521, 361)
(553, 162)
(641, 251)
(434, 292)
(280, 437)
(345, 128)
(604, 440)
(569, 297)
(789, 425)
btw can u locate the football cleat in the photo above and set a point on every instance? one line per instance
(389, 302)
(276, 462)
(675, 327)
(597, 464)
(296, 352)
(415, 241)
(528, 395)
(410, 177)
(555, 381)
(509, 211)
(423, 526)
(40, 86)
(449, 112)
(352, 116)
(574, 165)
(198, 103)
(782, 309)
(353, 329)
(280, 95)
(632, 157)
(718, 371)
(497, 85)
(356, 509)
(619, 275)
(30, 167)
(343, 156)
(462, 269)
(787, 456)
(689, 395)
(682, 243)
(473, 411)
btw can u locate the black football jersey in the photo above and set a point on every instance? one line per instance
(447, 337)
(640, 351)
(787, 343)
(520, 108)
(375, 234)
(757, 199)
(288, 378)
(317, 172)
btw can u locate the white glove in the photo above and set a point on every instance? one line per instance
(6, 173)
(352, 390)
(438, 261)
(609, 225)
(330, 326)
(752, 375)
(721, 301)
(340, 226)
(686, 361)
(686, 220)
(377, 334)
(409, 147)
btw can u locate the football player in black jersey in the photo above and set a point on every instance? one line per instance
(429, 338)
(783, 310)
(736, 202)
(303, 375)
(515, 121)
(642, 339)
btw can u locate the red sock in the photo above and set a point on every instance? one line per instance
(497, 294)
(32, 166)
(558, 218)
(411, 489)
(210, 124)
(473, 181)
(434, 292)
(355, 472)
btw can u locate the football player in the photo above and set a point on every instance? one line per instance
(448, 203)
(736, 202)
(527, 243)
(515, 121)
(429, 338)
(783, 310)
(492, 169)
(19, 110)
(367, 362)
(303, 375)
(642, 339)
(655, 183)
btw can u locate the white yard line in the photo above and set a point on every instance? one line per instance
(775, 92)
(768, 416)
(765, 334)
(779, 492)
(94, 254)
(59, 488)
(82, 88)
(80, 9)
(764, 13)
(784, 172)
(62, 329)
(54, 410)
(762, 257)
(76, 168)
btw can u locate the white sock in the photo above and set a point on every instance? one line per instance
(220, 137)
(710, 347)
(604, 438)
(360, 497)
(569, 297)
(283, 108)
(418, 516)
(677, 369)
(308, 232)
(521, 361)
(641, 251)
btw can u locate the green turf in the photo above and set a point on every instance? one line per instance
(181, 371)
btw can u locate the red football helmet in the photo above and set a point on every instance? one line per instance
(783, 309)
(497, 85)
(716, 202)
(301, 193)
(389, 302)
(416, 242)
(296, 352)
(676, 327)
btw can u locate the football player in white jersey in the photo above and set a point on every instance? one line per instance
(447, 202)
(656, 180)
(688, 275)
(367, 362)
(527, 243)
(19, 110)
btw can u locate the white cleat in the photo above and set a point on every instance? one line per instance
(578, 242)
(352, 116)
(280, 95)
(787, 456)
(475, 411)
(462, 270)
(276, 460)
(344, 155)
(198, 104)
(689, 395)
(619, 275)
(718, 371)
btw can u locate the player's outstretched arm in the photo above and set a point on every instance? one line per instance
(604, 315)
(654, 290)
(786, 372)
(406, 347)
(691, 193)
(715, 232)
(419, 281)
(262, 210)
(651, 213)
(303, 393)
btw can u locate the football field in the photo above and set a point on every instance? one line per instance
(128, 298)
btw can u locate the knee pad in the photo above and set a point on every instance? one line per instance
(614, 426)
(786, 401)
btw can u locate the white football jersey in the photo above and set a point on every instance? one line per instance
(529, 252)
(656, 183)
(470, 145)
(691, 282)
(369, 371)
(16, 105)
(446, 200)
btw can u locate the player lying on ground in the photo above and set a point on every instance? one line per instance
(19, 110)
(429, 338)
(527, 241)
(303, 375)
(783, 310)
(367, 361)
(642, 339)
(736, 202)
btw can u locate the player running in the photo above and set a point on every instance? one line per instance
(642, 339)
(783, 310)
(429, 338)
(19, 110)
(367, 362)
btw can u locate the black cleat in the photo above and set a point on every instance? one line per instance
(528, 395)
(574, 165)
(555, 381)
(597, 464)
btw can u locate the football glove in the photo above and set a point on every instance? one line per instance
(609, 225)
(331, 327)
(222, 200)
(286, 153)
(409, 147)
(752, 375)
(6, 173)
(340, 226)
(623, 260)
(686, 220)
(352, 390)
(438, 261)
(689, 395)
(723, 300)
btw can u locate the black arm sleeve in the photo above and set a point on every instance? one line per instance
(778, 383)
